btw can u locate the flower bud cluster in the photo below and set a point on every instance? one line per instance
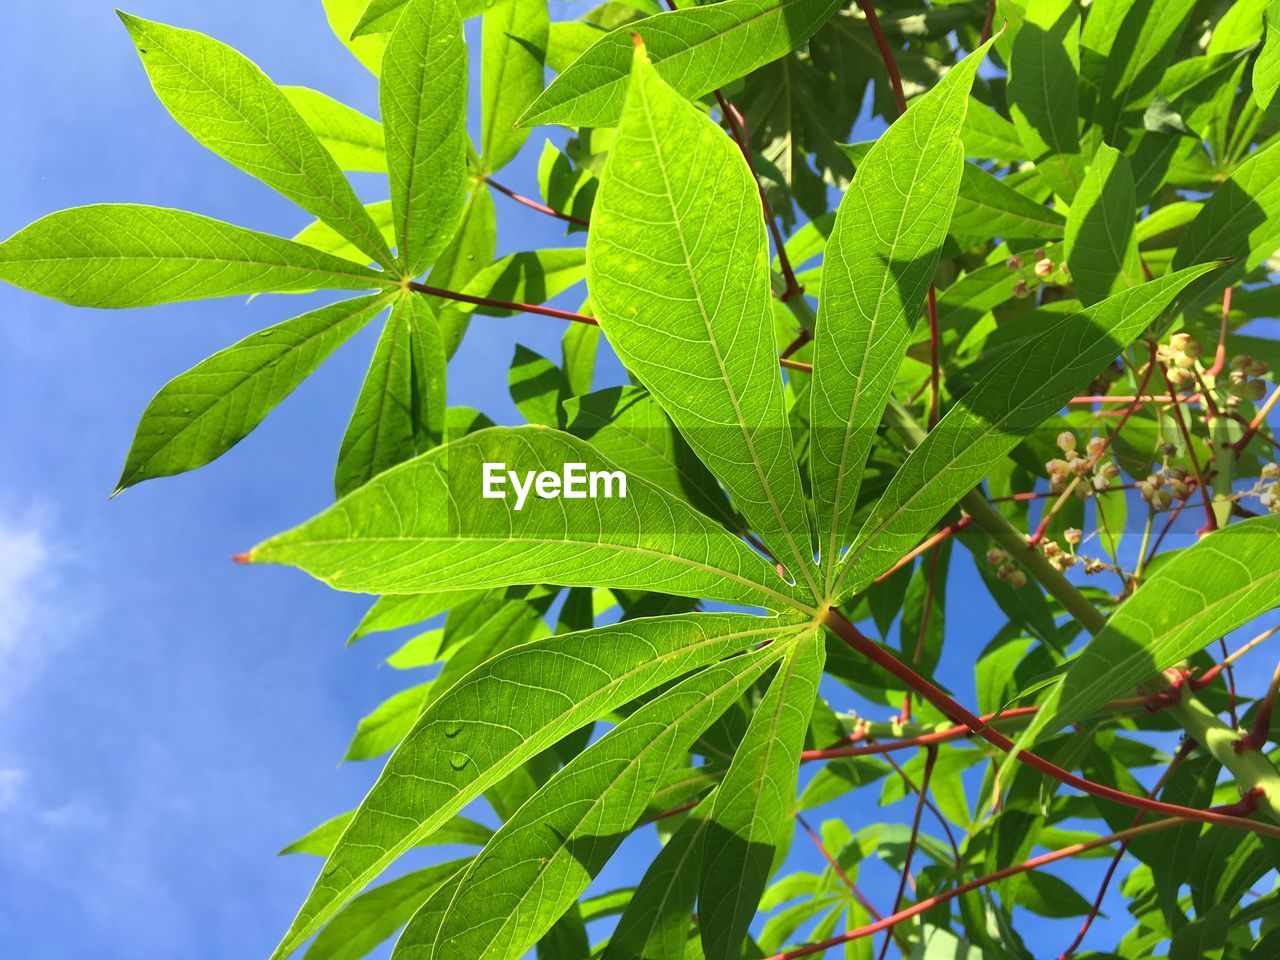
(1270, 495)
(1163, 488)
(1245, 378)
(1044, 268)
(1095, 473)
(1179, 356)
(1006, 569)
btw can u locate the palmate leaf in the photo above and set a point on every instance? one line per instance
(543, 858)
(996, 415)
(375, 915)
(400, 410)
(1042, 91)
(546, 689)
(343, 15)
(879, 262)
(382, 16)
(1266, 69)
(354, 141)
(1143, 46)
(125, 255)
(230, 106)
(323, 237)
(470, 251)
(424, 107)
(679, 276)
(1222, 582)
(753, 805)
(321, 841)
(203, 413)
(514, 47)
(1099, 242)
(424, 527)
(396, 611)
(1241, 219)
(628, 426)
(696, 50)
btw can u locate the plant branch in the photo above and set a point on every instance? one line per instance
(931, 757)
(502, 304)
(535, 205)
(929, 903)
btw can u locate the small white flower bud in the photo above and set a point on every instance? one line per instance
(1066, 441)
(1270, 471)
(1014, 263)
(1044, 268)
(1072, 535)
(1021, 290)
(1017, 579)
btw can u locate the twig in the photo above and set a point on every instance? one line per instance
(535, 205)
(1211, 522)
(931, 756)
(502, 304)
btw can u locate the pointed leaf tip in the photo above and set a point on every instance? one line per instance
(246, 557)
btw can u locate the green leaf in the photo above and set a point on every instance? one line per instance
(382, 16)
(544, 691)
(627, 425)
(696, 50)
(1241, 218)
(425, 527)
(1266, 69)
(545, 856)
(655, 925)
(381, 432)
(353, 140)
(1204, 592)
(386, 725)
(124, 255)
(879, 262)
(343, 15)
(321, 841)
(1099, 242)
(374, 916)
(514, 47)
(752, 813)
(424, 109)
(1048, 896)
(323, 237)
(1142, 49)
(230, 106)
(538, 387)
(995, 416)
(988, 207)
(471, 249)
(203, 413)
(533, 276)
(578, 349)
(679, 274)
(394, 612)
(1042, 91)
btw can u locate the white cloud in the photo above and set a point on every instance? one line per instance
(33, 624)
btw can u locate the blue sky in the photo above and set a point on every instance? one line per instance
(167, 719)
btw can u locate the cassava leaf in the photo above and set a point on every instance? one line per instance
(382, 431)
(992, 418)
(753, 806)
(354, 141)
(1204, 592)
(203, 413)
(879, 262)
(1099, 242)
(548, 688)
(230, 106)
(424, 104)
(321, 841)
(1042, 91)
(514, 47)
(375, 915)
(425, 527)
(545, 856)
(696, 50)
(125, 255)
(679, 278)
(1266, 68)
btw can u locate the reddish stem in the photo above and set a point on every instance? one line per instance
(1211, 522)
(1183, 749)
(1260, 732)
(929, 805)
(959, 714)
(931, 756)
(1220, 355)
(929, 903)
(949, 530)
(986, 24)
(886, 54)
(502, 304)
(535, 205)
(834, 864)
